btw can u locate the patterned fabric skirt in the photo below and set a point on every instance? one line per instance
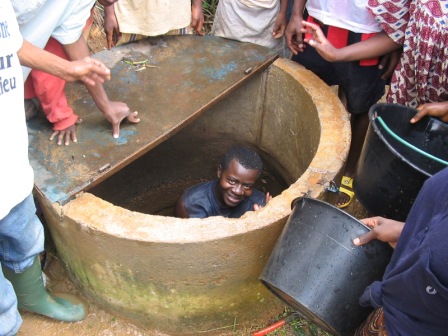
(374, 325)
(421, 26)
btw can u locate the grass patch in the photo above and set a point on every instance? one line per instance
(298, 326)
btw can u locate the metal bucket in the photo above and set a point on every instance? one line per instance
(316, 269)
(393, 164)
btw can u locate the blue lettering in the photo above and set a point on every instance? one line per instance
(4, 32)
(7, 84)
(5, 61)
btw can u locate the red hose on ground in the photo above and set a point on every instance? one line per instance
(270, 328)
(277, 325)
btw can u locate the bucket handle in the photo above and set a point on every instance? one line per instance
(411, 146)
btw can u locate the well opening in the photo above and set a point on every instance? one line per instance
(153, 183)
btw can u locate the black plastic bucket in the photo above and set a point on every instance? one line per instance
(390, 174)
(316, 269)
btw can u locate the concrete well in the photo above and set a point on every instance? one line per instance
(126, 254)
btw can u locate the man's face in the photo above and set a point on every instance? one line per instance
(236, 183)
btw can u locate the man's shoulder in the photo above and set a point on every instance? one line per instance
(199, 194)
(198, 200)
(201, 188)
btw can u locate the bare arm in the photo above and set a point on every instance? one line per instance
(197, 17)
(179, 210)
(86, 69)
(114, 112)
(384, 229)
(283, 6)
(293, 33)
(280, 20)
(438, 110)
(376, 46)
(111, 27)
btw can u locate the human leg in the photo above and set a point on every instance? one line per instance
(10, 319)
(22, 239)
(362, 87)
(20, 242)
(359, 88)
(359, 124)
(49, 90)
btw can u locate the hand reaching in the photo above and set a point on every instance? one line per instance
(438, 110)
(66, 134)
(258, 206)
(116, 112)
(388, 62)
(315, 37)
(279, 26)
(87, 70)
(294, 35)
(386, 230)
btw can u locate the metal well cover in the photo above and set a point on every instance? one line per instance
(169, 80)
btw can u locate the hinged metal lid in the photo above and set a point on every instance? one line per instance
(170, 81)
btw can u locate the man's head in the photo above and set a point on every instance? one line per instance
(237, 174)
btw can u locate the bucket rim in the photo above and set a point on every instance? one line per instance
(305, 198)
(378, 132)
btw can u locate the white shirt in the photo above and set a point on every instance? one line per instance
(16, 174)
(63, 20)
(348, 14)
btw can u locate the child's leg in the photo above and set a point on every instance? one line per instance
(49, 90)
(362, 87)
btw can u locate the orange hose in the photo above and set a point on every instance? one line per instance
(270, 328)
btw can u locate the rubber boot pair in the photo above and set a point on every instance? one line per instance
(32, 296)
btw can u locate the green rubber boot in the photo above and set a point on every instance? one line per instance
(32, 296)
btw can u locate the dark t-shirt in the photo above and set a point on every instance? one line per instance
(200, 202)
(414, 290)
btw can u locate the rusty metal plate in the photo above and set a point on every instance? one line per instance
(183, 76)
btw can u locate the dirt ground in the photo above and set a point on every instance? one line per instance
(98, 321)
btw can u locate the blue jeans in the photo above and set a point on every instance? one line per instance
(21, 240)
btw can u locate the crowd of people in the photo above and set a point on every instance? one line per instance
(355, 45)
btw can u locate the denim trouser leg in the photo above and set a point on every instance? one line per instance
(10, 319)
(21, 240)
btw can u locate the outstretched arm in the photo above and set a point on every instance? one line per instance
(113, 111)
(280, 20)
(293, 32)
(438, 110)
(179, 209)
(378, 45)
(384, 229)
(197, 17)
(87, 69)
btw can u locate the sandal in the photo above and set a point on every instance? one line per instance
(347, 182)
